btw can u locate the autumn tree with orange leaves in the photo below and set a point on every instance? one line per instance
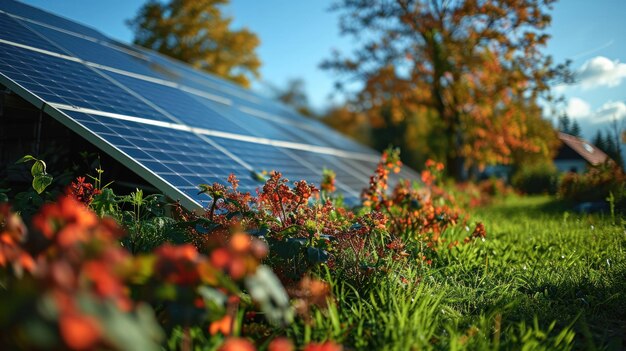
(461, 78)
(197, 32)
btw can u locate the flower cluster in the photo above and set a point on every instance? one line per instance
(281, 200)
(78, 268)
(83, 191)
(417, 216)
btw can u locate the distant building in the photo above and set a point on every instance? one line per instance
(576, 154)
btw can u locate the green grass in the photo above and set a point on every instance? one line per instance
(544, 278)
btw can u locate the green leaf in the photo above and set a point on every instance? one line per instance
(105, 202)
(262, 231)
(268, 292)
(288, 248)
(315, 255)
(41, 182)
(289, 231)
(204, 188)
(38, 168)
(26, 159)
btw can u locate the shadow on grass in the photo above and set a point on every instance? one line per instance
(598, 306)
(593, 297)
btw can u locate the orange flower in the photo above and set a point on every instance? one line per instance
(427, 177)
(106, 284)
(79, 332)
(68, 218)
(326, 346)
(281, 344)
(237, 344)
(240, 242)
(314, 291)
(224, 326)
(220, 258)
(178, 264)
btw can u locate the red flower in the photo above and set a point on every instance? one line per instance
(281, 344)
(79, 332)
(83, 192)
(237, 344)
(178, 264)
(326, 346)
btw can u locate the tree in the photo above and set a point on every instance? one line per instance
(599, 141)
(471, 66)
(575, 130)
(610, 144)
(614, 135)
(196, 32)
(566, 125)
(348, 122)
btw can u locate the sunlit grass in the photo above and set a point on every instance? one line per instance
(544, 278)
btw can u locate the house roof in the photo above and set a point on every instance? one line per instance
(584, 149)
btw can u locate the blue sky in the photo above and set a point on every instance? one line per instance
(297, 35)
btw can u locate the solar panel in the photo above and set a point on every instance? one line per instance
(173, 125)
(17, 8)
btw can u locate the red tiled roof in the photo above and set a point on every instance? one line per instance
(585, 149)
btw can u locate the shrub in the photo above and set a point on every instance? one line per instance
(483, 193)
(536, 179)
(594, 185)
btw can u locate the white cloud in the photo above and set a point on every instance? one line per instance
(580, 110)
(601, 71)
(577, 108)
(609, 111)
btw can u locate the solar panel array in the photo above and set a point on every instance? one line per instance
(173, 125)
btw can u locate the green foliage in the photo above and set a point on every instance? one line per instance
(540, 178)
(41, 179)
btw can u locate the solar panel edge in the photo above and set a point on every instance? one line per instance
(120, 156)
(22, 92)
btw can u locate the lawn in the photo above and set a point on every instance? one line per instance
(544, 278)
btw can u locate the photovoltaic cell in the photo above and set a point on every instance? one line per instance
(180, 158)
(58, 80)
(95, 52)
(267, 158)
(33, 13)
(12, 30)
